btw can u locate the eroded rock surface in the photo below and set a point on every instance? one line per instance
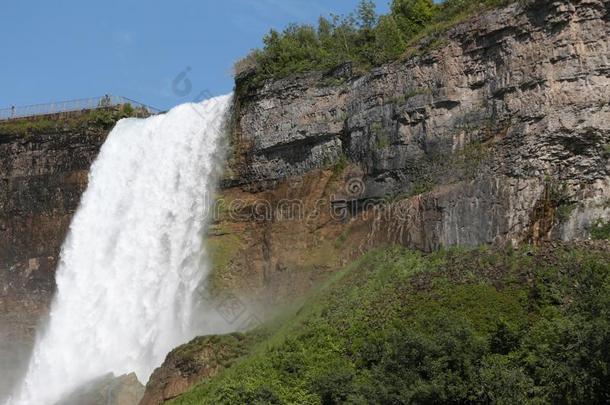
(191, 363)
(496, 133)
(503, 108)
(42, 176)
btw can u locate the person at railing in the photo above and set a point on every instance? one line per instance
(105, 101)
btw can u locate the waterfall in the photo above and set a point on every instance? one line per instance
(133, 260)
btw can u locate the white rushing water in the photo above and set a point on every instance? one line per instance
(133, 258)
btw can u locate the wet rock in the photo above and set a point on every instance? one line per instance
(107, 390)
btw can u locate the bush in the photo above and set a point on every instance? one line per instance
(103, 118)
(127, 110)
(335, 385)
(389, 40)
(501, 382)
(412, 16)
(362, 38)
(600, 230)
(420, 367)
(453, 327)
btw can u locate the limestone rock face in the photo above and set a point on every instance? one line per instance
(42, 177)
(497, 132)
(191, 363)
(509, 109)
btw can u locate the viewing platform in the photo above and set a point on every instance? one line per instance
(73, 106)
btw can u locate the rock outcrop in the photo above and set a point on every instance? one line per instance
(42, 176)
(491, 115)
(495, 132)
(191, 363)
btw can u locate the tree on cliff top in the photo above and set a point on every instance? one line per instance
(412, 16)
(362, 37)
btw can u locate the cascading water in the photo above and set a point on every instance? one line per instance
(132, 262)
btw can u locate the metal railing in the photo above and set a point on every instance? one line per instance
(94, 103)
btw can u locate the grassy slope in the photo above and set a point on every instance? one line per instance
(102, 118)
(457, 326)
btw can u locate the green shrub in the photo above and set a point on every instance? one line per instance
(103, 118)
(389, 40)
(459, 326)
(600, 230)
(502, 382)
(339, 166)
(127, 110)
(334, 385)
(412, 16)
(361, 38)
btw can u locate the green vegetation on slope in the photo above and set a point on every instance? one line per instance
(362, 38)
(101, 118)
(220, 350)
(600, 230)
(529, 326)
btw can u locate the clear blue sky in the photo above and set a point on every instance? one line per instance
(66, 49)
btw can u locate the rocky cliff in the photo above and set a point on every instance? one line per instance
(494, 132)
(44, 166)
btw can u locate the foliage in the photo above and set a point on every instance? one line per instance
(339, 166)
(600, 230)
(103, 118)
(412, 16)
(362, 38)
(459, 326)
(216, 350)
(389, 40)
